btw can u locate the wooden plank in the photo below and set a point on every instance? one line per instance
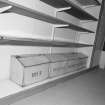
(19, 9)
(81, 14)
(77, 28)
(56, 3)
(75, 10)
(89, 2)
(37, 42)
(25, 11)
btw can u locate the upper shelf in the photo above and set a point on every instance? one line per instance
(36, 42)
(77, 28)
(89, 2)
(19, 9)
(75, 10)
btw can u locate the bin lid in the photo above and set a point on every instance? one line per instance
(75, 55)
(33, 60)
(81, 55)
(56, 57)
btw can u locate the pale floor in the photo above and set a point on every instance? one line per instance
(87, 89)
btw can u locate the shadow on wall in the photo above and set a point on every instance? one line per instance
(102, 60)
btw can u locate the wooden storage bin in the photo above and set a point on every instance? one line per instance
(77, 67)
(57, 65)
(75, 61)
(29, 69)
(75, 56)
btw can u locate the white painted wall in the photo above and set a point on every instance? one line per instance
(21, 26)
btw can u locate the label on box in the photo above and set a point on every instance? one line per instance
(35, 74)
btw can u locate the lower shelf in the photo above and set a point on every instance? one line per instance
(39, 42)
(11, 92)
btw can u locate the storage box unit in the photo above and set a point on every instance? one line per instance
(75, 61)
(74, 55)
(77, 67)
(29, 69)
(58, 64)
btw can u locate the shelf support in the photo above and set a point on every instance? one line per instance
(5, 9)
(62, 9)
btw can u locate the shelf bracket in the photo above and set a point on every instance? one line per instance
(62, 9)
(58, 26)
(5, 9)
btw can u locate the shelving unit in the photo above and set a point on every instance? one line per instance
(80, 13)
(38, 42)
(75, 10)
(14, 92)
(77, 28)
(18, 9)
(90, 2)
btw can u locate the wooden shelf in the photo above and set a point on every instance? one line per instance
(75, 10)
(77, 28)
(11, 92)
(19, 9)
(80, 13)
(37, 15)
(37, 42)
(89, 2)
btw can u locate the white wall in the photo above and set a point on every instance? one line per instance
(21, 26)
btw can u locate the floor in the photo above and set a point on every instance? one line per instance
(87, 89)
